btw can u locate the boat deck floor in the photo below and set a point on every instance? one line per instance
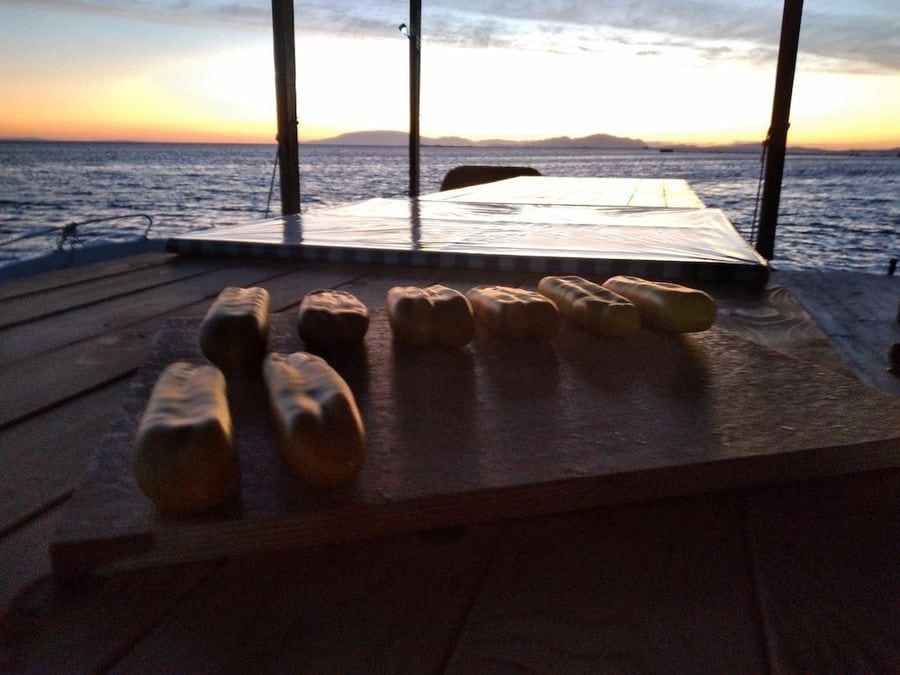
(799, 576)
(859, 313)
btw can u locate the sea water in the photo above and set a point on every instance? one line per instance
(840, 211)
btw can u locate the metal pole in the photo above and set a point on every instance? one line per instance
(777, 138)
(286, 102)
(415, 53)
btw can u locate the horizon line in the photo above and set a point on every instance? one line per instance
(504, 144)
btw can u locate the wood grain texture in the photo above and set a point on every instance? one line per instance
(87, 627)
(504, 429)
(662, 587)
(82, 274)
(775, 319)
(46, 379)
(823, 552)
(23, 557)
(89, 321)
(372, 288)
(561, 190)
(387, 605)
(858, 313)
(61, 299)
(286, 291)
(825, 557)
(464, 280)
(45, 457)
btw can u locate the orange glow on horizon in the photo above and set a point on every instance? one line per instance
(227, 96)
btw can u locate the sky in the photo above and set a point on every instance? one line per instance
(697, 71)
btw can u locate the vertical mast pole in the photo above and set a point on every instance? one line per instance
(286, 102)
(777, 138)
(415, 53)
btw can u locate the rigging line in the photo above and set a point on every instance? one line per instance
(119, 217)
(29, 235)
(759, 183)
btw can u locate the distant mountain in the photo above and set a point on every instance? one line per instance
(594, 141)
(366, 138)
(402, 138)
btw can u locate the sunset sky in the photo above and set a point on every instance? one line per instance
(699, 71)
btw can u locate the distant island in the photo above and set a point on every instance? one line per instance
(594, 141)
(604, 141)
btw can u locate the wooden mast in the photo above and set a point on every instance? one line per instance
(777, 138)
(286, 102)
(414, 33)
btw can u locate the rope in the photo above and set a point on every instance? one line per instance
(29, 235)
(272, 183)
(759, 184)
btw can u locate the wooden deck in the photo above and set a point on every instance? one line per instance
(798, 576)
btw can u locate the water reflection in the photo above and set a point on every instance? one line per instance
(292, 229)
(415, 224)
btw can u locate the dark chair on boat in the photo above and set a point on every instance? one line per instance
(466, 175)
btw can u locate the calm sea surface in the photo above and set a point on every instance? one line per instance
(837, 211)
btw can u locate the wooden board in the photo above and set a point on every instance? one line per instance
(582, 191)
(390, 605)
(499, 429)
(15, 288)
(660, 587)
(825, 558)
(114, 350)
(858, 312)
(65, 298)
(45, 457)
(85, 627)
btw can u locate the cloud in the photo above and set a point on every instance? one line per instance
(179, 12)
(836, 34)
(864, 32)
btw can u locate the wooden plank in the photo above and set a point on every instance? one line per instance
(661, 587)
(387, 605)
(678, 194)
(77, 275)
(861, 297)
(287, 290)
(50, 464)
(858, 314)
(581, 191)
(44, 463)
(775, 319)
(86, 627)
(24, 559)
(465, 436)
(372, 287)
(68, 297)
(50, 378)
(599, 192)
(45, 457)
(465, 280)
(825, 568)
(82, 323)
(649, 194)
